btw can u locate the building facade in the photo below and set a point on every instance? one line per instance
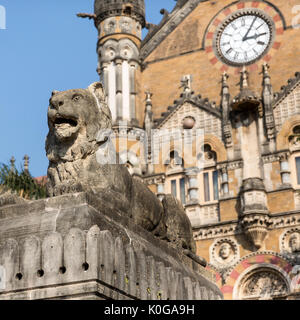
(218, 78)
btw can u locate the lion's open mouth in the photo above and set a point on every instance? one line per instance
(65, 128)
(65, 122)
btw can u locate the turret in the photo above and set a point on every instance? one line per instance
(120, 25)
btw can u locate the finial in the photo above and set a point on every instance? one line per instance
(244, 78)
(225, 77)
(148, 97)
(266, 68)
(26, 163)
(12, 164)
(186, 84)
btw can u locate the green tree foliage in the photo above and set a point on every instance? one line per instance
(20, 182)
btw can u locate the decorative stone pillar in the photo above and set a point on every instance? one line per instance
(192, 175)
(225, 182)
(192, 208)
(225, 107)
(133, 66)
(26, 163)
(267, 99)
(285, 169)
(161, 190)
(148, 126)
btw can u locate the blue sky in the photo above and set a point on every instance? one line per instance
(44, 48)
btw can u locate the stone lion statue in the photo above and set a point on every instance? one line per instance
(75, 147)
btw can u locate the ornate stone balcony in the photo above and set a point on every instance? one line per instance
(202, 215)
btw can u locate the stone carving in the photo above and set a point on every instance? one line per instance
(126, 25)
(290, 241)
(110, 26)
(263, 284)
(123, 48)
(111, 8)
(294, 243)
(294, 139)
(77, 144)
(224, 253)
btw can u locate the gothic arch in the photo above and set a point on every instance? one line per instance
(265, 259)
(286, 130)
(249, 284)
(217, 146)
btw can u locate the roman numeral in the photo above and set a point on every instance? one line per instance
(234, 26)
(229, 50)
(243, 22)
(225, 43)
(261, 43)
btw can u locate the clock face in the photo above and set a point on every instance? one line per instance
(244, 39)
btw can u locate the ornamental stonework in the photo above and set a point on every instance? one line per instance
(263, 284)
(224, 253)
(290, 243)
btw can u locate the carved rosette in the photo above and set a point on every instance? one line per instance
(224, 253)
(290, 244)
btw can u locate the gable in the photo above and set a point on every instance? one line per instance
(208, 121)
(170, 22)
(287, 102)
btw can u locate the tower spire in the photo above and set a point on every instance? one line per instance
(225, 107)
(26, 163)
(244, 78)
(267, 99)
(12, 164)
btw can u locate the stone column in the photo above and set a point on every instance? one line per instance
(285, 169)
(192, 208)
(104, 72)
(119, 89)
(224, 184)
(192, 175)
(132, 91)
(161, 190)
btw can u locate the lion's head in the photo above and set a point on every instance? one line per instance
(75, 117)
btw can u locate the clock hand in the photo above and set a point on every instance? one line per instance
(246, 35)
(256, 36)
